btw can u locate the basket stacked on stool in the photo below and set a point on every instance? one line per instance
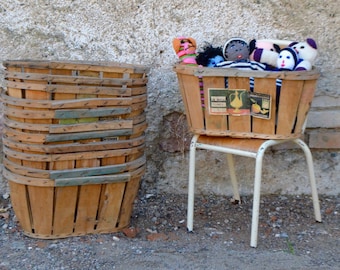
(73, 144)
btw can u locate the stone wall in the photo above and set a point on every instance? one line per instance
(141, 32)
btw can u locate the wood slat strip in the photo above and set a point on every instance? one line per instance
(189, 87)
(72, 103)
(92, 112)
(290, 95)
(266, 86)
(61, 79)
(106, 144)
(59, 171)
(213, 122)
(95, 171)
(242, 122)
(90, 180)
(107, 66)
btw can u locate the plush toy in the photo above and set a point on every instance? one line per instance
(185, 48)
(236, 50)
(287, 59)
(209, 56)
(264, 52)
(236, 54)
(307, 52)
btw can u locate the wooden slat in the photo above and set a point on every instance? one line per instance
(36, 95)
(41, 138)
(265, 126)
(107, 66)
(60, 79)
(26, 180)
(72, 156)
(67, 103)
(289, 101)
(85, 127)
(88, 135)
(189, 86)
(64, 210)
(213, 122)
(92, 112)
(127, 204)
(41, 202)
(20, 204)
(90, 180)
(96, 169)
(109, 206)
(87, 207)
(74, 146)
(305, 103)
(239, 123)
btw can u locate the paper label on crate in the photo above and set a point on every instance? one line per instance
(225, 101)
(260, 105)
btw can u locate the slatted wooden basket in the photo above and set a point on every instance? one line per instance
(208, 94)
(73, 144)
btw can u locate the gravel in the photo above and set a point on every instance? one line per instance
(289, 237)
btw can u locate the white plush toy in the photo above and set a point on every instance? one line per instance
(307, 52)
(287, 59)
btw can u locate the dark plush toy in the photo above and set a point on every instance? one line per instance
(209, 56)
(236, 50)
(236, 54)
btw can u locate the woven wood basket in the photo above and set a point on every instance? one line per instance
(208, 93)
(73, 144)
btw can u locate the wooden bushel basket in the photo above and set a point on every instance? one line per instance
(288, 108)
(73, 144)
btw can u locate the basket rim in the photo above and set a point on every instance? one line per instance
(200, 71)
(75, 64)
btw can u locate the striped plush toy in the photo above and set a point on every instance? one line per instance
(185, 48)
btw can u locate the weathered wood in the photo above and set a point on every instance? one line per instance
(73, 138)
(285, 121)
(71, 156)
(60, 148)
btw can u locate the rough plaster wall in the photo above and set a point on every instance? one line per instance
(136, 31)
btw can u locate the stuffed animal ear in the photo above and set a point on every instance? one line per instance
(176, 44)
(293, 43)
(277, 48)
(252, 46)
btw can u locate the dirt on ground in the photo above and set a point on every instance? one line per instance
(289, 237)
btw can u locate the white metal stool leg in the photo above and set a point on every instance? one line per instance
(257, 190)
(191, 184)
(310, 165)
(233, 178)
(256, 198)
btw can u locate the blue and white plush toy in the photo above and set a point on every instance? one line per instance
(287, 59)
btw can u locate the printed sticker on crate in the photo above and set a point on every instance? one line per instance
(260, 105)
(224, 101)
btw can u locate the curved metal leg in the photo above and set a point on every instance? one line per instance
(191, 184)
(310, 165)
(256, 197)
(257, 190)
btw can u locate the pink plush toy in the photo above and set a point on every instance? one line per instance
(185, 48)
(264, 52)
(307, 52)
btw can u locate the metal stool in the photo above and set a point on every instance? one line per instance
(253, 148)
